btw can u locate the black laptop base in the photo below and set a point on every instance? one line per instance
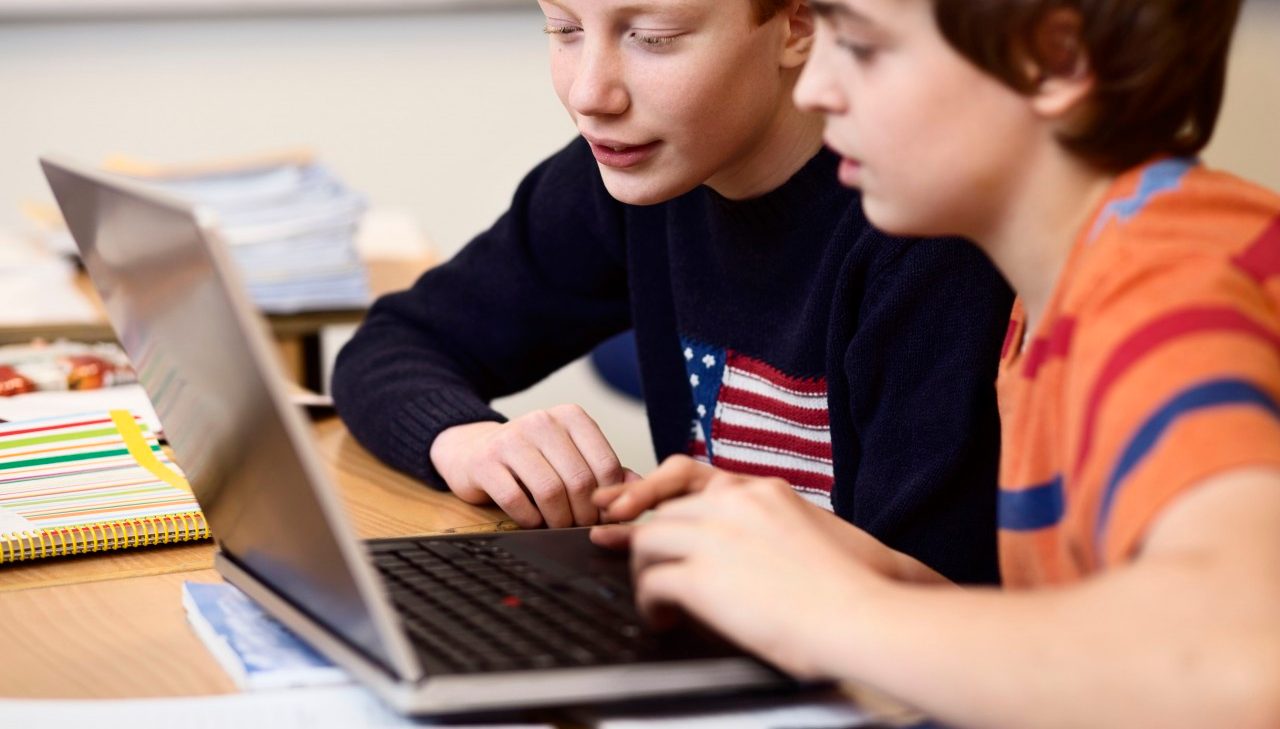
(470, 605)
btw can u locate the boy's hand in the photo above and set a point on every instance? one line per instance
(752, 559)
(676, 476)
(681, 476)
(539, 468)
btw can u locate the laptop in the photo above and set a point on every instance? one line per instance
(446, 624)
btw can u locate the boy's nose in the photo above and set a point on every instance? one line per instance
(598, 88)
(815, 90)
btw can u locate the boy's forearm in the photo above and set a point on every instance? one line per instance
(395, 397)
(1136, 650)
(1186, 635)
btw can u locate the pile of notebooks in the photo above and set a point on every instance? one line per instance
(289, 221)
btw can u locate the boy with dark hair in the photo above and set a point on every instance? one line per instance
(1139, 500)
(778, 333)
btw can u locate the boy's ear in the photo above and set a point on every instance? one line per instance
(1061, 72)
(799, 33)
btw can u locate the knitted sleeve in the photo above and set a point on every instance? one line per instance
(921, 368)
(537, 290)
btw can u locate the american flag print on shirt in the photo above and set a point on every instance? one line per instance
(751, 418)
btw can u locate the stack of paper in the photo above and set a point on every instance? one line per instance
(290, 223)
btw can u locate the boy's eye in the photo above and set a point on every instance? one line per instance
(860, 51)
(550, 29)
(651, 41)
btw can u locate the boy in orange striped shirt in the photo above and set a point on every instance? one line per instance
(1153, 368)
(1139, 502)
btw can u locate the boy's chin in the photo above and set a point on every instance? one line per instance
(634, 188)
(896, 220)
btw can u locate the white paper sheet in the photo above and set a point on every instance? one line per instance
(830, 711)
(312, 708)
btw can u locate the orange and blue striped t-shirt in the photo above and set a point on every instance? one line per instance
(1155, 366)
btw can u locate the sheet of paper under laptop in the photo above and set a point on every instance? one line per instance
(255, 649)
(335, 707)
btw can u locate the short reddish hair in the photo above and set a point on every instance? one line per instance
(1159, 66)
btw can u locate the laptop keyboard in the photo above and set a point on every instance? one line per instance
(470, 606)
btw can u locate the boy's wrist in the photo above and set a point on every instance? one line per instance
(864, 600)
(911, 570)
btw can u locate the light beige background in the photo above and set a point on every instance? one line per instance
(437, 113)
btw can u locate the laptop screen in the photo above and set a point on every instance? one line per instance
(178, 309)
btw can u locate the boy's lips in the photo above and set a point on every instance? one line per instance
(850, 172)
(613, 153)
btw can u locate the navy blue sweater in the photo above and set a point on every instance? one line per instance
(780, 335)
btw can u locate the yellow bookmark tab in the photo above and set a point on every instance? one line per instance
(141, 452)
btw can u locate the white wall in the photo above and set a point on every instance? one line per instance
(1247, 140)
(441, 113)
(438, 113)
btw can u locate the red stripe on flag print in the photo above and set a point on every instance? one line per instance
(775, 441)
(777, 378)
(797, 478)
(767, 423)
(698, 449)
(772, 408)
(751, 418)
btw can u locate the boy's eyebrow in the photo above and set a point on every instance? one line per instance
(832, 11)
(640, 7)
(653, 8)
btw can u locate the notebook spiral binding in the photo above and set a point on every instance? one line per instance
(103, 536)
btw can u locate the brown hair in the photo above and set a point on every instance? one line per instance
(1159, 66)
(766, 9)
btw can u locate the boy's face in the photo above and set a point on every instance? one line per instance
(670, 93)
(934, 144)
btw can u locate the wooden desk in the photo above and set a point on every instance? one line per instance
(112, 625)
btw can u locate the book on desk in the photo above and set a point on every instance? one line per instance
(88, 483)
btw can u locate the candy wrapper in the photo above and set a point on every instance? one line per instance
(62, 365)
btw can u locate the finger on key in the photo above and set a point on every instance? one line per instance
(676, 476)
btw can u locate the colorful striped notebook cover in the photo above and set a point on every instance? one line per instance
(87, 483)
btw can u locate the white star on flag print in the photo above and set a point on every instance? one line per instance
(751, 418)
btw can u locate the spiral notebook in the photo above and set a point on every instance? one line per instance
(88, 483)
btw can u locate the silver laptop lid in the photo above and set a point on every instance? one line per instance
(177, 304)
